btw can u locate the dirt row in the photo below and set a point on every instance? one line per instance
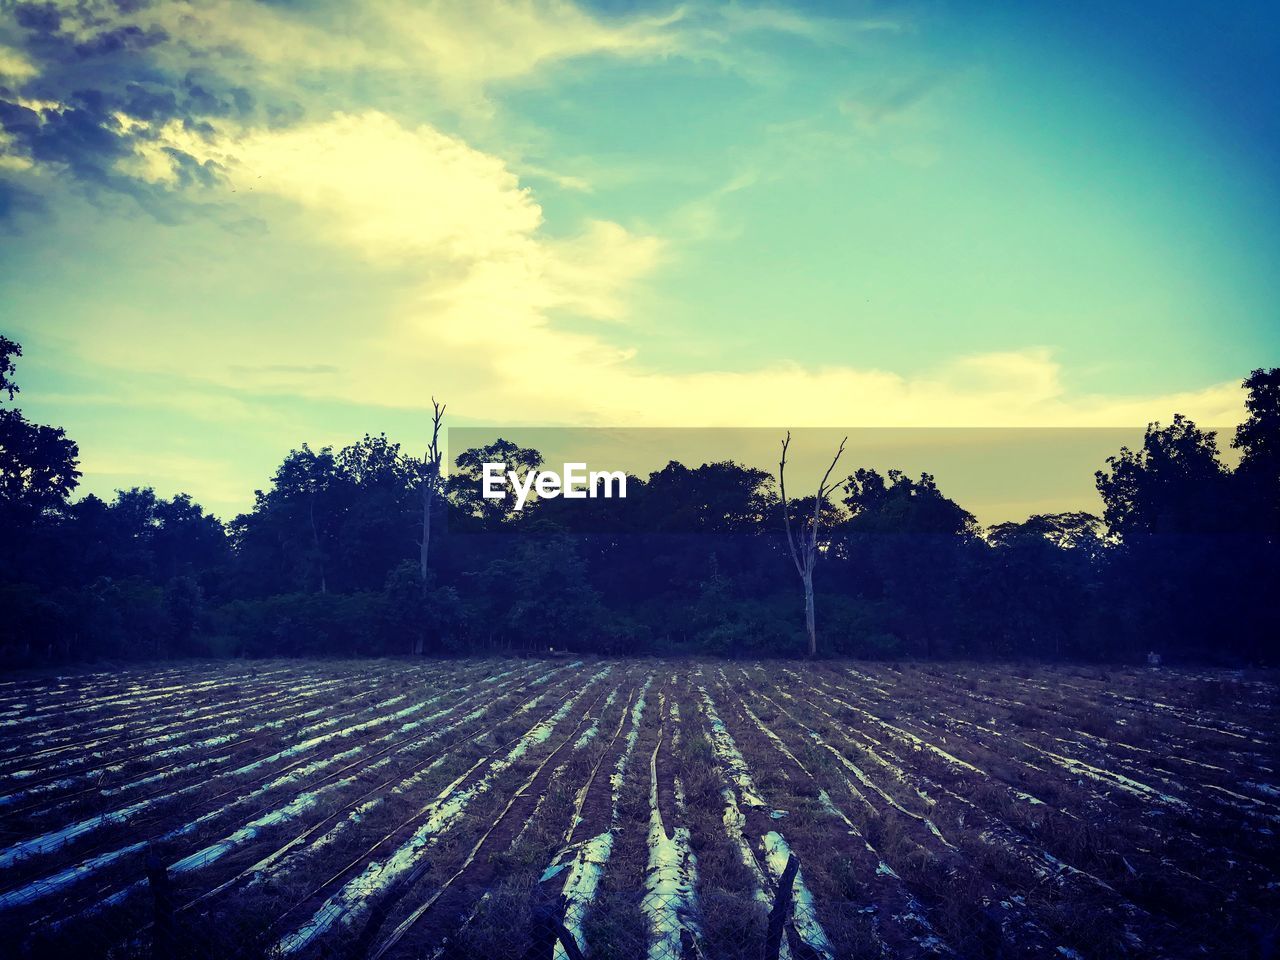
(419, 809)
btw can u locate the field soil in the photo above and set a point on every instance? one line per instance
(483, 808)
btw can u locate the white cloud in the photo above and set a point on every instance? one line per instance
(9, 158)
(480, 43)
(455, 52)
(392, 193)
(494, 288)
(462, 46)
(746, 18)
(14, 65)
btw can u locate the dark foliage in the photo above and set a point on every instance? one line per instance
(1182, 561)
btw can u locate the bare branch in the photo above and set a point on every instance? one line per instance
(433, 448)
(822, 487)
(820, 499)
(804, 549)
(429, 485)
(786, 514)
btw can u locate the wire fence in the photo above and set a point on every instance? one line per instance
(677, 926)
(536, 924)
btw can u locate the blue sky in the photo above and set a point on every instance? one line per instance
(230, 227)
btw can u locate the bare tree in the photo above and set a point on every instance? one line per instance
(804, 545)
(430, 486)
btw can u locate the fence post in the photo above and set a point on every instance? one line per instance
(162, 901)
(548, 928)
(781, 911)
(689, 949)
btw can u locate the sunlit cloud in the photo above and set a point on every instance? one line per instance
(495, 287)
(14, 65)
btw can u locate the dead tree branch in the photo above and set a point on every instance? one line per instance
(803, 545)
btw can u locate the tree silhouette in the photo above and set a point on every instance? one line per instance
(1174, 484)
(39, 465)
(331, 558)
(8, 351)
(430, 486)
(803, 544)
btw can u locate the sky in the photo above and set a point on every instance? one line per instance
(230, 227)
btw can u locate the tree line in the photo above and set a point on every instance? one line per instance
(369, 549)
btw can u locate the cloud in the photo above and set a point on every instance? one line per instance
(474, 45)
(591, 385)
(14, 65)
(84, 87)
(746, 18)
(398, 196)
(92, 81)
(289, 369)
(510, 314)
(87, 83)
(392, 193)
(889, 99)
(491, 293)
(463, 43)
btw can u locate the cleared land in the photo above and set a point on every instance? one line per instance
(423, 809)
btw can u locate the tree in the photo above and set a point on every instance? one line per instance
(804, 545)
(536, 594)
(287, 541)
(465, 486)
(909, 543)
(903, 505)
(1041, 591)
(1174, 484)
(414, 618)
(376, 518)
(38, 464)
(1172, 508)
(1069, 531)
(430, 486)
(1258, 440)
(1256, 490)
(186, 541)
(182, 603)
(674, 527)
(141, 534)
(8, 350)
